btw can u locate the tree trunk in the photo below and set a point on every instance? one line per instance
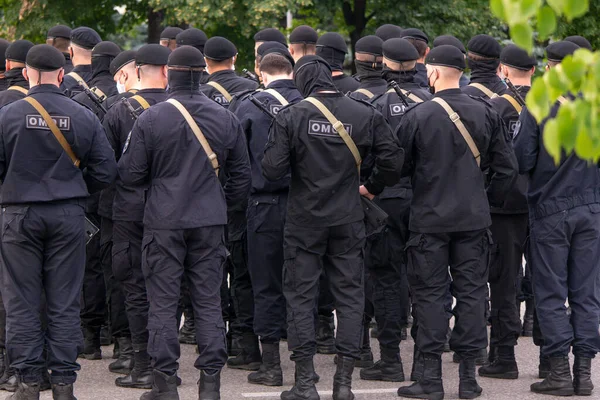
(155, 19)
(356, 18)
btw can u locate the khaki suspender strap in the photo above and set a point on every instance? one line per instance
(366, 92)
(52, 125)
(339, 127)
(221, 89)
(562, 99)
(278, 96)
(78, 78)
(408, 94)
(212, 157)
(18, 89)
(514, 102)
(485, 90)
(99, 93)
(455, 118)
(141, 100)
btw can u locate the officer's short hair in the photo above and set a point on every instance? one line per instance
(420, 45)
(477, 57)
(275, 64)
(61, 44)
(307, 48)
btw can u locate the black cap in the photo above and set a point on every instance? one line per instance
(152, 54)
(124, 58)
(558, 50)
(333, 40)
(192, 37)
(388, 31)
(85, 37)
(59, 31)
(187, 56)
(170, 32)
(3, 46)
(414, 33)
(107, 49)
(446, 56)
(274, 47)
(451, 40)
(399, 50)
(485, 46)
(270, 35)
(45, 58)
(579, 41)
(18, 50)
(304, 34)
(370, 44)
(515, 57)
(218, 48)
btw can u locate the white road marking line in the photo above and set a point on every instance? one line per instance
(322, 393)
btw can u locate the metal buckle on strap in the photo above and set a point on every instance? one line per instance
(337, 125)
(212, 156)
(454, 117)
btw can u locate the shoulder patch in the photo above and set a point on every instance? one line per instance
(36, 121)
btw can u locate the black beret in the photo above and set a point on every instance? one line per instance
(446, 56)
(370, 44)
(152, 54)
(580, 41)
(485, 46)
(451, 40)
(85, 37)
(276, 48)
(18, 50)
(270, 35)
(516, 57)
(187, 56)
(304, 34)
(414, 33)
(558, 50)
(124, 58)
(309, 59)
(388, 31)
(218, 48)
(399, 50)
(192, 37)
(106, 49)
(3, 46)
(333, 40)
(170, 32)
(44, 57)
(59, 31)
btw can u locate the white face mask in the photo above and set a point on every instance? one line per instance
(121, 87)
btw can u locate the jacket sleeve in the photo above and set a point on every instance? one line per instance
(2, 149)
(389, 157)
(405, 133)
(110, 124)
(101, 166)
(526, 142)
(502, 163)
(237, 166)
(276, 162)
(135, 163)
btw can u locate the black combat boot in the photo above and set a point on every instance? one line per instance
(559, 381)
(417, 366)
(249, 356)
(9, 380)
(468, 387)
(582, 376)
(91, 344)
(45, 383)
(430, 386)
(342, 380)
(26, 391)
(504, 365)
(187, 333)
(366, 355)
(388, 369)
(105, 338)
(140, 376)
(269, 373)
(209, 386)
(482, 357)
(325, 335)
(447, 343)
(528, 319)
(164, 387)
(3, 364)
(544, 366)
(304, 388)
(63, 391)
(124, 364)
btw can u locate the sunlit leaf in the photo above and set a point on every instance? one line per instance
(575, 8)
(557, 5)
(546, 22)
(528, 8)
(584, 146)
(574, 70)
(537, 100)
(522, 35)
(497, 8)
(551, 140)
(567, 127)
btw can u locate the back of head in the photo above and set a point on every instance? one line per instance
(121, 60)
(273, 47)
(83, 40)
(270, 35)
(399, 55)
(580, 41)
(557, 51)
(311, 74)
(59, 36)
(219, 53)
(102, 55)
(185, 65)
(149, 61)
(369, 56)
(276, 64)
(332, 48)
(304, 34)
(17, 52)
(418, 39)
(483, 53)
(192, 37)
(451, 40)
(449, 59)
(44, 60)
(388, 31)
(517, 59)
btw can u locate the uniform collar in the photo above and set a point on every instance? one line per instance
(219, 74)
(151, 90)
(45, 88)
(83, 68)
(449, 93)
(282, 83)
(15, 78)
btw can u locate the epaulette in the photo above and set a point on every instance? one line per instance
(244, 94)
(484, 100)
(287, 106)
(361, 101)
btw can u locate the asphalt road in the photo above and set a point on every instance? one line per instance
(96, 383)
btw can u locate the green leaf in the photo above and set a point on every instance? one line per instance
(537, 100)
(574, 70)
(546, 22)
(567, 127)
(557, 5)
(528, 8)
(522, 34)
(552, 140)
(556, 83)
(584, 146)
(497, 7)
(575, 8)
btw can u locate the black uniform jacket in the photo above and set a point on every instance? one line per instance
(15, 78)
(345, 83)
(231, 82)
(70, 86)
